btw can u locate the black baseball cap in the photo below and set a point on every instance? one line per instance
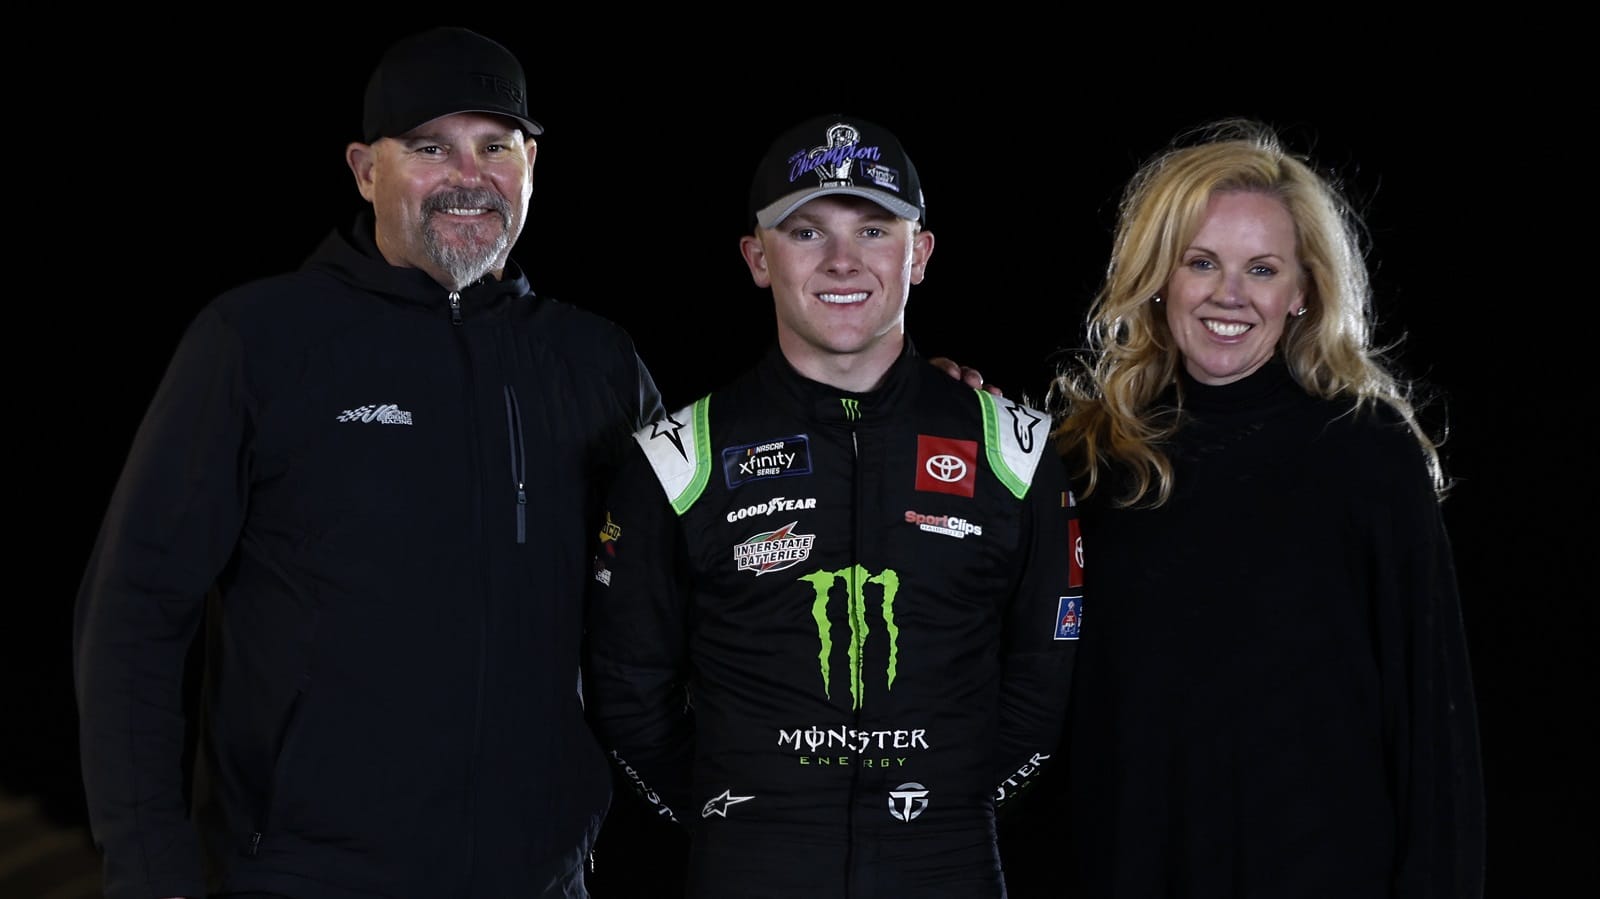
(835, 154)
(441, 72)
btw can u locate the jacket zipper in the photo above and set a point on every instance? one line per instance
(518, 461)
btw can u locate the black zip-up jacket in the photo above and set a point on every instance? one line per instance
(831, 632)
(391, 487)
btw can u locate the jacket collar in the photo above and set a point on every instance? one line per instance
(353, 257)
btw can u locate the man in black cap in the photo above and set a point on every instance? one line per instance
(837, 600)
(371, 480)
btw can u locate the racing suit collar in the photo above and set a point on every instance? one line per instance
(828, 405)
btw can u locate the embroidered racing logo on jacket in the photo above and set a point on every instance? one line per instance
(386, 414)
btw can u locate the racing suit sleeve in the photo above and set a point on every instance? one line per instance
(170, 527)
(1038, 645)
(637, 646)
(640, 404)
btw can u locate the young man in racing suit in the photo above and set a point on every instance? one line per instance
(836, 601)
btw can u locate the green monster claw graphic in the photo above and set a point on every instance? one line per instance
(855, 579)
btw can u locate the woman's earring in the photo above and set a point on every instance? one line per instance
(1156, 299)
(1300, 312)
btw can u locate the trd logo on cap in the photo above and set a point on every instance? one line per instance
(501, 86)
(834, 161)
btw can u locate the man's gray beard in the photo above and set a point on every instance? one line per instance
(466, 262)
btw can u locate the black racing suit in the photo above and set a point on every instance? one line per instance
(856, 614)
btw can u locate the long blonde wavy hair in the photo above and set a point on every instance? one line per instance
(1106, 397)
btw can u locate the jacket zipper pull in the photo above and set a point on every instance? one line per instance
(255, 844)
(522, 514)
(455, 307)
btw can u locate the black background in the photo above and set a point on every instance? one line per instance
(217, 158)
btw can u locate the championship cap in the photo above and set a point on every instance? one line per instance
(441, 72)
(835, 154)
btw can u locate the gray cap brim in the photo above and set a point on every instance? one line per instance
(773, 215)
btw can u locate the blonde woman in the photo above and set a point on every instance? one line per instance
(1272, 696)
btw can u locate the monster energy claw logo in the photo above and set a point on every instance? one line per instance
(852, 408)
(855, 580)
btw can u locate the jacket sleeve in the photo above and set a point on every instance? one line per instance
(169, 529)
(650, 407)
(1039, 643)
(1431, 711)
(637, 648)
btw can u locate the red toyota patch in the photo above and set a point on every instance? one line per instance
(945, 465)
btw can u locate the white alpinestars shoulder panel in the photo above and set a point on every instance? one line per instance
(679, 449)
(1014, 437)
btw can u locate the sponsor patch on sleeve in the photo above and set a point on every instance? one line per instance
(1069, 617)
(609, 532)
(1075, 561)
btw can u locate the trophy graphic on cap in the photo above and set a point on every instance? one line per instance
(833, 166)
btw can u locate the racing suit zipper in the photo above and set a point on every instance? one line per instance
(455, 307)
(855, 588)
(519, 461)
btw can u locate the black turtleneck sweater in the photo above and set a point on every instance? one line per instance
(1272, 696)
